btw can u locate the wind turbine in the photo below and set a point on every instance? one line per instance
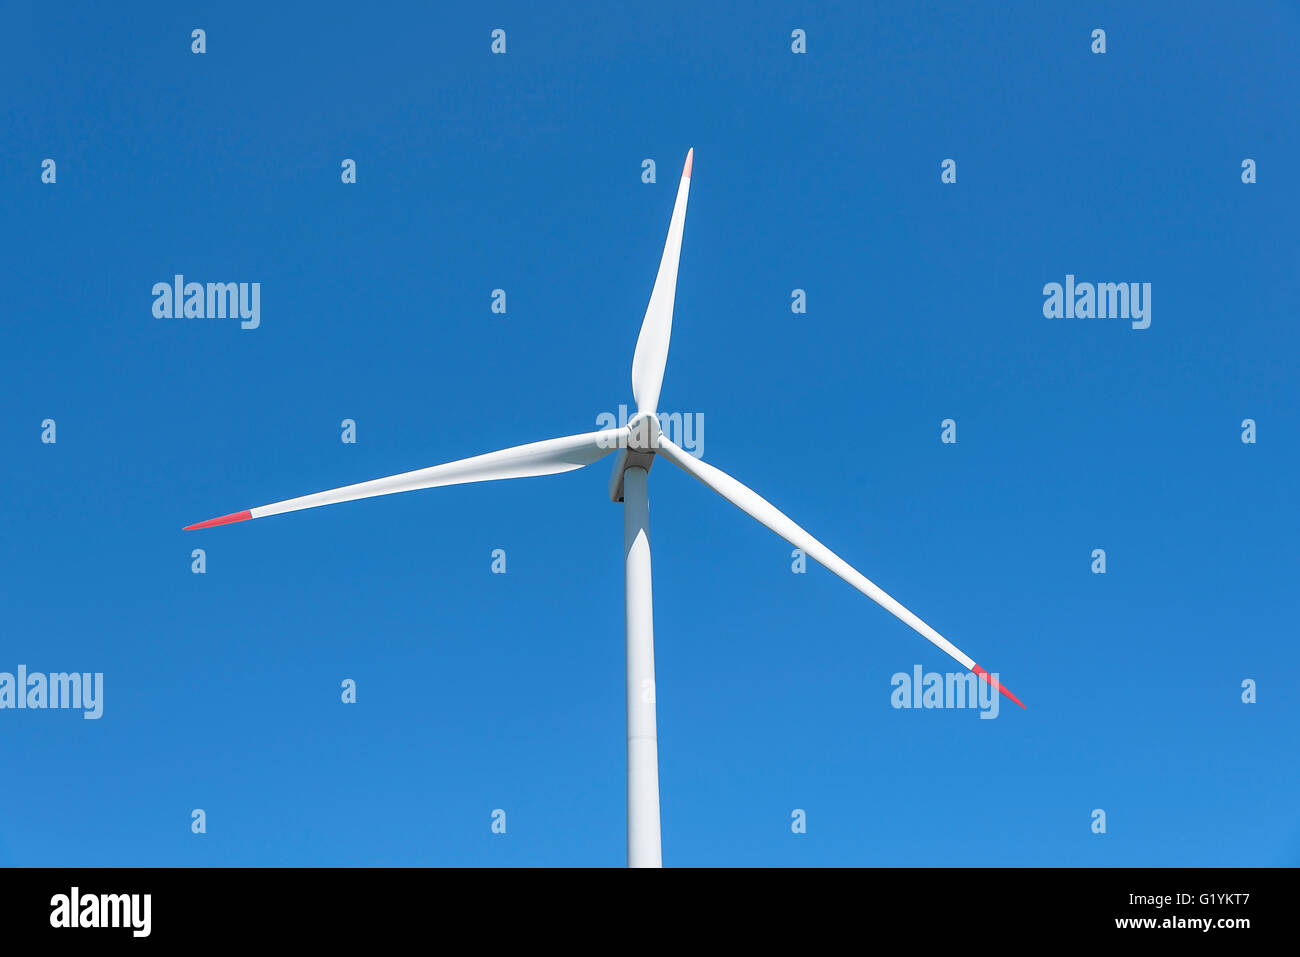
(638, 444)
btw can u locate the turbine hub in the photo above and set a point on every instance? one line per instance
(643, 433)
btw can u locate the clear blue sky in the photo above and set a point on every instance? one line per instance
(820, 171)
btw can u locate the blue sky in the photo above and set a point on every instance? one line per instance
(523, 172)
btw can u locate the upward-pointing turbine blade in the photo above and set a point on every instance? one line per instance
(657, 328)
(749, 501)
(522, 461)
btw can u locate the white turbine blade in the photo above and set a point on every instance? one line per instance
(749, 501)
(657, 328)
(522, 461)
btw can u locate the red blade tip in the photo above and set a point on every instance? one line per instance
(686, 170)
(997, 684)
(223, 520)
